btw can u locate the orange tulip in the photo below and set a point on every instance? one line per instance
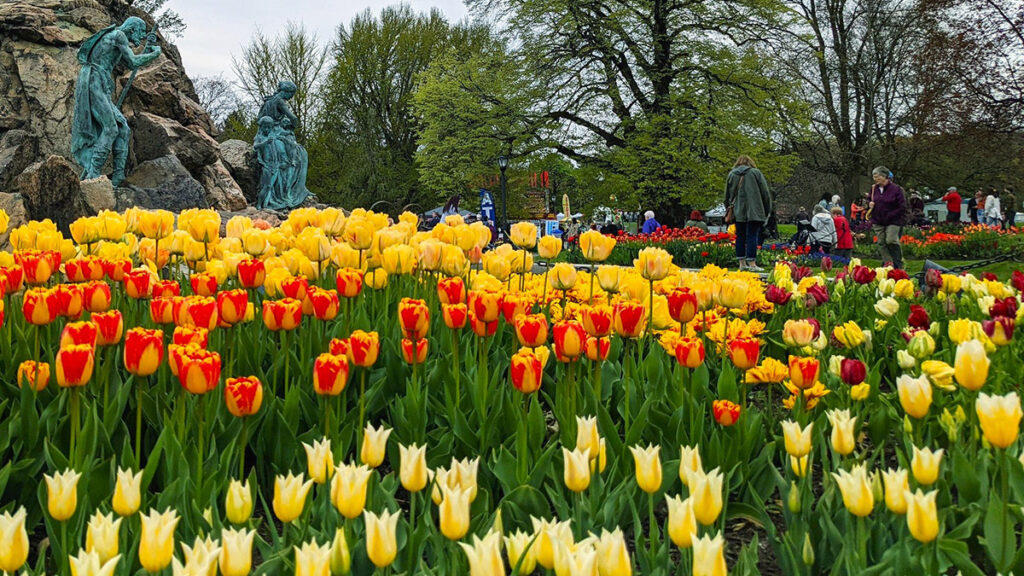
(455, 315)
(689, 352)
(598, 348)
(40, 306)
(803, 372)
(143, 351)
(629, 319)
(183, 336)
(137, 283)
(74, 365)
(161, 310)
(597, 320)
(527, 371)
(338, 347)
(330, 374)
(350, 282)
(325, 303)
(199, 371)
(37, 265)
(14, 278)
(78, 333)
(117, 269)
(295, 287)
(569, 337)
(414, 316)
(726, 413)
(251, 273)
(110, 327)
(284, 314)
(243, 396)
(96, 296)
(37, 375)
(682, 305)
(744, 352)
(481, 328)
(364, 347)
(532, 330)
(231, 305)
(176, 354)
(70, 300)
(451, 290)
(203, 284)
(415, 352)
(513, 305)
(164, 289)
(485, 305)
(200, 311)
(83, 269)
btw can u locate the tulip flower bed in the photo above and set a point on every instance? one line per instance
(339, 395)
(971, 242)
(689, 248)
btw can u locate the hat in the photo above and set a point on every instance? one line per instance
(951, 189)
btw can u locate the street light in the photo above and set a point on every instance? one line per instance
(503, 216)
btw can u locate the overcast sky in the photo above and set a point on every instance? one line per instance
(219, 28)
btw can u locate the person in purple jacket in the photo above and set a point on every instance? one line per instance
(888, 208)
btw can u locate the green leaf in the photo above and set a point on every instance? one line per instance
(999, 540)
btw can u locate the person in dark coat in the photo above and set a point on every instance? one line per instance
(888, 208)
(746, 192)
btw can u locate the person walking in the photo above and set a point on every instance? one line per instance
(844, 235)
(823, 237)
(749, 201)
(650, 224)
(993, 209)
(1009, 207)
(888, 208)
(953, 202)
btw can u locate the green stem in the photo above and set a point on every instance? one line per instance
(652, 532)
(362, 406)
(627, 360)
(200, 442)
(138, 419)
(241, 448)
(75, 415)
(522, 441)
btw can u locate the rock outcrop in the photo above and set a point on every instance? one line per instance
(39, 40)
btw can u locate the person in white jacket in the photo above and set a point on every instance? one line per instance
(993, 209)
(823, 237)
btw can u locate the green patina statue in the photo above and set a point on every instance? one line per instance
(283, 161)
(99, 126)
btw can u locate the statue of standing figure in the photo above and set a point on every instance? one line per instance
(283, 161)
(98, 125)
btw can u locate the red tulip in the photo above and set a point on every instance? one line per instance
(532, 330)
(598, 348)
(455, 315)
(251, 273)
(682, 305)
(284, 314)
(117, 269)
(143, 351)
(231, 305)
(415, 352)
(74, 365)
(137, 283)
(325, 303)
(295, 287)
(199, 311)
(744, 352)
(919, 317)
(629, 319)
(726, 412)
(803, 371)
(330, 374)
(97, 296)
(451, 290)
(414, 317)
(852, 371)
(597, 320)
(243, 396)
(203, 284)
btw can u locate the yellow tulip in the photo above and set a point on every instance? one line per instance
(523, 234)
(13, 541)
(798, 333)
(375, 442)
(860, 391)
(549, 534)
(896, 485)
(236, 552)
(453, 512)
(290, 496)
(706, 494)
(856, 489)
(587, 437)
(101, 536)
(798, 441)
(90, 564)
(921, 345)
(732, 293)
(922, 516)
(413, 467)
(844, 439)
(377, 279)
(237, 225)
(925, 465)
(653, 263)
(887, 307)
(971, 365)
(562, 276)
(62, 494)
(319, 460)
(940, 374)
(156, 544)
(201, 558)
(609, 278)
(849, 334)
(238, 503)
(648, 467)
(999, 417)
(596, 247)
(576, 469)
(154, 224)
(549, 247)
(465, 471)
(127, 492)
(348, 489)
(381, 541)
(359, 234)
(485, 555)
(915, 395)
(612, 554)
(903, 289)
(576, 559)
(689, 462)
(521, 549)
(341, 557)
(709, 556)
(799, 465)
(682, 522)
(312, 559)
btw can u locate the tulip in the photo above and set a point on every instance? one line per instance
(198, 311)
(236, 552)
(725, 412)
(414, 317)
(14, 544)
(521, 548)
(381, 541)
(156, 544)
(709, 556)
(849, 334)
(415, 352)
(156, 224)
(284, 314)
(330, 374)
(915, 395)
(484, 555)
(548, 536)
(922, 517)
(744, 352)
(62, 494)
(160, 310)
(629, 319)
(798, 441)
(576, 469)
(597, 320)
(199, 372)
(523, 235)
(74, 365)
(36, 374)
(37, 267)
(127, 492)
(374, 445)
(364, 347)
(485, 305)
(971, 365)
(101, 537)
(96, 296)
(612, 554)
(238, 502)
(706, 493)
(455, 315)
(319, 460)
(341, 558)
(451, 290)
(231, 305)
(852, 371)
(413, 467)
(78, 333)
(653, 263)
(609, 278)
(203, 284)
(143, 351)
(803, 372)
(243, 396)
(896, 486)
(290, 496)
(562, 276)
(999, 417)
(137, 283)
(549, 247)
(799, 333)
(856, 489)
(587, 437)
(925, 465)
(532, 330)
(312, 559)
(597, 349)
(183, 336)
(999, 330)
(921, 345)
(732, 293)
(251, 273)
(324, 303)
(682, 524)
(648, 467)
(40, 306)
(569, 338)
(88, 563)
(596, 247)
(527, 371)
(453, 512)
(70, 300)
(348, 489)
(843, 438)
(689, 462)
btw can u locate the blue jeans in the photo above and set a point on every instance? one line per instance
(748, 236)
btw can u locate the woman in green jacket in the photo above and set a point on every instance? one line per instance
(746, 193)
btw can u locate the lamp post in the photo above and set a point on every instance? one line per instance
(503, 215)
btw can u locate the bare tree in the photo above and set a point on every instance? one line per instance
(171, 24)
(217, 96)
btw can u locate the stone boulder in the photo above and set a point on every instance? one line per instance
(98, 194)
(51, 190)
(155, 136)
(14, 206)
(163, 183)
(221, 190)
(240, 159)
(17, 152)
